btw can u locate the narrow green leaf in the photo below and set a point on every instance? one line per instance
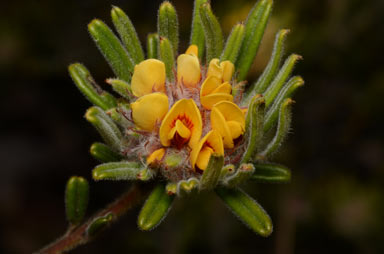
(282, 130)
(254, 29)
(88, 87)
(288, 90)
(127, 34)
(167, 56)
(121, 87)
(247, 210)
(211, 174)
(254, 127)
(271, 69)
(233, 45)
(212, 32)
(104, 153)
(168, 25)
(243, 173)
(155, 208)
(123, 170)
(226, 171)
(76, 199)
(110, 46)
(280, 79)
(152, 45)
(105, 126)
(99, 224)
(197, 32)
(271, 173)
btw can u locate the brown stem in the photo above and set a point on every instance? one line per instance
(76, 236)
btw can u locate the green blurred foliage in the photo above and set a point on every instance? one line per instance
(334, 203)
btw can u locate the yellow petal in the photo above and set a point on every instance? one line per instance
(188, 70)
(149, 109)
(212, 140)
(235, 128)
(181, 129)
(223, 88)
(192, 50)
(228, 68)
(203, 158)
(156, 156)
(187, 112)
(219, 124)
(231, 112)
(209, 85)
(148, 76)
(211, 99)
(214, 69)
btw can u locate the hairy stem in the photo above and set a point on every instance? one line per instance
(78, 235)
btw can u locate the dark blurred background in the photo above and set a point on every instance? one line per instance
(335, 202)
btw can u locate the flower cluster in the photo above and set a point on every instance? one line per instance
(187, 124)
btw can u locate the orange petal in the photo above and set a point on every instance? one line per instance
(228, 69)
(209, 85)
(235, 128)
(188, 70)
(148, 76)
(231, 112)
(219, 124)
(149, 109)
(213, 141)
(187, 112)
(156, 156)
(181, 129)
(214, 69)
(223, 88)
(192, 50)
(211, 99)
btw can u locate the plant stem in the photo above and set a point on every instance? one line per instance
(77, 235)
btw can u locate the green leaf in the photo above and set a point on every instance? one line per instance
(197, 32)
(168, 25)
(233, 45)
(99, 224)
(167, 56)
(282, 130)
(243, 173)
(123, 170)
(88, 87)
(104, 153)
(152, 45)
(211, 174)
(273, 66)
(110, 46)
(121, 87)
(212, 32)
(155, 208)
(288, 90)
(127, 34)
(247, 210)
(105, 126)
(254, 29)
(254, 127)
(76, 199)
(280, 79)
(271, 173)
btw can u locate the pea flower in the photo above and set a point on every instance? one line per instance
(191, 122)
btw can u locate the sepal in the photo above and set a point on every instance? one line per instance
(247, 210)
(155, 208)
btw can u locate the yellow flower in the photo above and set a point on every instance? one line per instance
(222, 70)
(188, 68)
(229, 120)
(148, 77)
(149, 110)
(216, 87)
(181, 124)
(202, 151)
